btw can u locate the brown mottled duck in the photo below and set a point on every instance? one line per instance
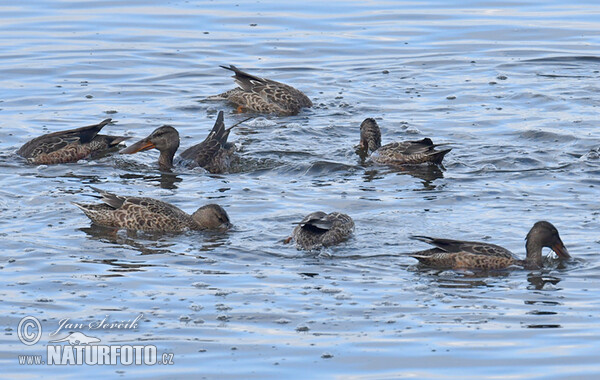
(152, 215)
(397, 153)
(319, 229)
(68, 146)
(457, 254)
(263, 95)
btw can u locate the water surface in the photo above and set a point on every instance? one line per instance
(512, 86)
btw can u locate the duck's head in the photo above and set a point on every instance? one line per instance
(212, 217)
(544, 234)
(370, 135)
(165, 138)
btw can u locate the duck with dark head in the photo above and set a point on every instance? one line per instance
(458, 254)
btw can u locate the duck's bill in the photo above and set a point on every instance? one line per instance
(138, 147)
(560, 249)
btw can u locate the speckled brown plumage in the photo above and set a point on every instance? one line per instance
(264, 95)
(213, 154)
(397, 153)
(68, 146)
(319, 229)
(457, 254)
(148, 214)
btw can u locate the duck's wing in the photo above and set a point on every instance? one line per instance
(459, 246)
(423, 146)
(114, 201)
(138, 213)
(247, 82)
(342, 228)
(207, 150)
(56, 141)
(341, 221)
(411, 152)
(317, 220)
(150, 205)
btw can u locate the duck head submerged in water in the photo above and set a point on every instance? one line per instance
(319, 229)
(457, 254)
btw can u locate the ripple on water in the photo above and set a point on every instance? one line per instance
(516, 99)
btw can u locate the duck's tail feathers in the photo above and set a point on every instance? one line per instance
(241, 75)
(110, 199)
(425, 239)
(438, 156)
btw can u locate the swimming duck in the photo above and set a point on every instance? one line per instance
(457, 254)
(213, 154)
(68, 146)
(152, 215)
(263, 95)
(319, 229)
(397, 153)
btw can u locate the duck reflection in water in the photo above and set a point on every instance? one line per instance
(538, 280)
(426, 173)
(150, 243)
(166, 180)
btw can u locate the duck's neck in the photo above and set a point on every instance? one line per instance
(165, 160)
(534, 254)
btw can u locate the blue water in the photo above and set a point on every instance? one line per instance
(512, 86)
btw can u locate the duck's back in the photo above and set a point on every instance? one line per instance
(459, 254)
(138, 213)
(409, 153)
(329, 230)
(265, 95)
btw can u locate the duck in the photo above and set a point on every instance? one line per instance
(397, 153)
(151, 215)
(213, 154)
(458, 254)
(263, 95)
(319, 229)
(69, 146)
